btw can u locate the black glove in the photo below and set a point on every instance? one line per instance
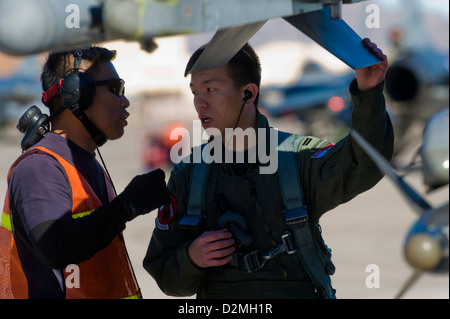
(144, 193)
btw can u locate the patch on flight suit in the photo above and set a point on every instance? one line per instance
(166, 214)
(307, 141)
(322, 151)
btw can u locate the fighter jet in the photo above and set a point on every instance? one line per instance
(29, 26)
(417, 80)
(426, 246)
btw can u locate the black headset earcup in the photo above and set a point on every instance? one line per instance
(34, 124)
(247, 95)
(77, 91)
(28, 118)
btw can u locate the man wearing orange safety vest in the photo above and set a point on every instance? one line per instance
(61, 226)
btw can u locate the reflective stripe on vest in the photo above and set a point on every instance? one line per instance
(107, 275)
(6, 221)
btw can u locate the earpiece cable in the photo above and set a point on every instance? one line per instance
(106, 170)
(237, 122)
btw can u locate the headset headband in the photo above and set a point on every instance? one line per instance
(51, 92)
(54, 89)
(77, 59)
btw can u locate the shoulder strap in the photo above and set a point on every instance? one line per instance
(313, 258)
(199, 179)
(288, 174)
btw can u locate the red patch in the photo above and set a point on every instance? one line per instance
(166, 214)
(322, 151)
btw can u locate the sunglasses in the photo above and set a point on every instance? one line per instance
(116, 86)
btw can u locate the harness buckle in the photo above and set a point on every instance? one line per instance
(296, 215)
(287, 246)
(288, 241)
(252, 262)
(280, 248)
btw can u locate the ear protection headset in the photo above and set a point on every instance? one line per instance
(77, 92)
(76, 88)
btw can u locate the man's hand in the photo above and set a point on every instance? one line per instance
(212, 248)
(144, 193)
(371, 76)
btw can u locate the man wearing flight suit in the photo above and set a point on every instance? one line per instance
(207, 260)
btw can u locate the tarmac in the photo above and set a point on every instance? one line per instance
(366, 234)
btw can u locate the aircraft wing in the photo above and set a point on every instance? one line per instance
(40, 26)
(224, 45)
(334, 35)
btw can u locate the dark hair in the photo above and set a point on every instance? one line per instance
(243, 68)
(58, 64)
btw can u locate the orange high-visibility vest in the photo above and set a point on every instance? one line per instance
(107, 275)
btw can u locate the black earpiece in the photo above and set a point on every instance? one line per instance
(77, 91)
(247, 95)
